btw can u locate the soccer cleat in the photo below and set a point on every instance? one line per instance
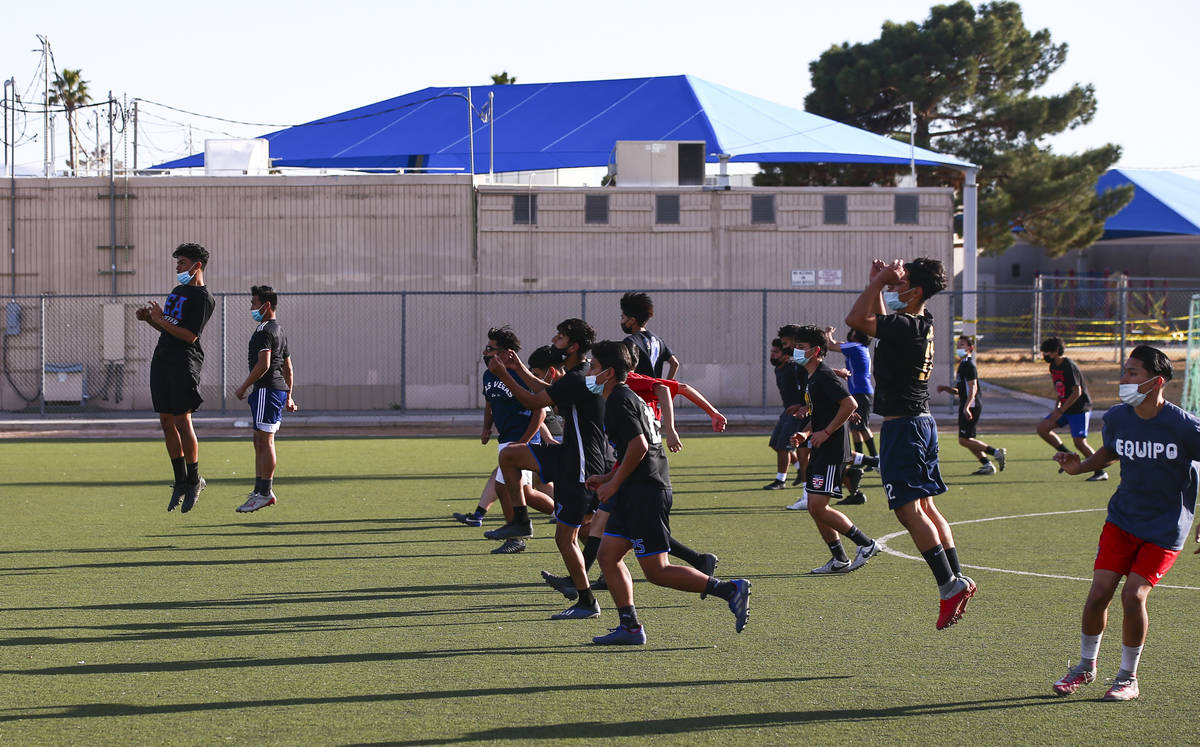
(193, 492)
(510, 547)
(800, 505)
(951, 610)
(739, 603)
(471, 519)
(798, 480)
(857, 498)
(1100, 476)
(708, 563)
(256, 501)
(511, 530)
(985, 469)
(1077, 676)
(863, 555)
(1122, 689)
(1001, 458)
(833, 566)
(600, 584)
(578, 612)
(971, 589)
(620, 636)
(177, 491)
(562, 584)
(775, 485)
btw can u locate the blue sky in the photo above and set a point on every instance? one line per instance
(289, 62)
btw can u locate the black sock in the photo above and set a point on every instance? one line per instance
(628, 617)
(839, 552)
(590, 547)
(718, 588)
(854, 477)
(520, 515)
(939, 564)
(258, 485)
(684, 553)
(870, 442)
(983, 460)
(179, 469)
(856, 535)
(193, 473)
(480, 511)
(266, 486)
(952, 559)
(1062, 447)
(586, 598)
(989, 450)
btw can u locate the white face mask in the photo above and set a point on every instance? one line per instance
(1130, 395)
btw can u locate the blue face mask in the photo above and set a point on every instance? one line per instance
(256, 314)
(891, 299)
(593, 386)
(184, 277)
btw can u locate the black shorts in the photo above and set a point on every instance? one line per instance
(825, 474)
(786, 427)
(642, 515)
(174, 387)
(572, 503)
(966, 428)
(864, 412)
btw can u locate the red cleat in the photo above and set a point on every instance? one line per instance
(962, 608)
(950, 610)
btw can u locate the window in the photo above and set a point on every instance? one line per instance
(762, 208)
(524, 210)
(907, 209)
(595, 209)
(666, 209)
(1016, 269)
(835, 210)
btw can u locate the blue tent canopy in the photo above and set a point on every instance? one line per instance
(574, 124)
(1163, 203)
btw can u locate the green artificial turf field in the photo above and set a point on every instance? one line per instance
(356, 611)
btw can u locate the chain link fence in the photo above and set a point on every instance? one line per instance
(421, 350)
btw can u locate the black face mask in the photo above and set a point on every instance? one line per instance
(557, 356)
(626, 328)
(1048, 358)
(487, 359)
(775, 362)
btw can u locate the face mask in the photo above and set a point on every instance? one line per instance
(184, 277)
(627, 329)
(960, 353)
(1048, 358)
(1130, 395)
(256, 314)
(891, 299)
(593, 386)
(557, 356)
(775, 362)
(789, 352)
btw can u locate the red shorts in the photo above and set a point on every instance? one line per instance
(1123, 553)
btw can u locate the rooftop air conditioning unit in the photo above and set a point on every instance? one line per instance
(668, 163)
(243, 157)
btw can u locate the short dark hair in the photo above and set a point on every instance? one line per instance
(194, 252)
(814, 336)
(1156, 361)
(927, 274)
(788, 330)
(777, 343)
(967, 339)
(614, 355)
(578, 332)
(1052, 345)
(541, 357)
(637, 306)
(506, 337)
(854, 335)
(266, 294)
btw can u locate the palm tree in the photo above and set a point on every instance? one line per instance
(503, 79)
(69, 90)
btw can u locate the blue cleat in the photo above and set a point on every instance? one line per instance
(471, 519)
(739, 604)
(620, 636)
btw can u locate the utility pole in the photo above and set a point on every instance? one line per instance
(47, 164)
(135, 103)
(112, 197)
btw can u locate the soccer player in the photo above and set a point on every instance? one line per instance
(638, 491)
(636, 310)
(1148, 517)
(272, 379)
(830, 405)
(892, 309)
(790, 379)
(857, 351)
(175, 368)
(582, 453)
(1074, 407)
(513, 422)
(970, 406)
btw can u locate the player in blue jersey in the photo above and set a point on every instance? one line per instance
(1149, 516)
(892, 310)
(857, 351)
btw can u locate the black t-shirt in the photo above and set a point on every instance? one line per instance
(791, 378)
(824, 393)
(903, 362)
(966, 373)
(583, 443)
(188, 306)
(654, 353)
(1066, 376)
(269, 336)
(627, 416)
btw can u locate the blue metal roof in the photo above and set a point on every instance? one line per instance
(574, 124)
(1163, 203)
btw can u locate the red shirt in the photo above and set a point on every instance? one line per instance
(643, 386)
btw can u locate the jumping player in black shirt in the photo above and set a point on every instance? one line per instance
(638, 491)
(270, 385)
(892, 309)
(1073, 408)
(636, 310)
(970, 407)
(175, 368)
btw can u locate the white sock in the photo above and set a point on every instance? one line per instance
(1090, 647)
(781, 476)
(1130, 656)
(857, 459)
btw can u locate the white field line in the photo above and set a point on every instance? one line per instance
(883, 543)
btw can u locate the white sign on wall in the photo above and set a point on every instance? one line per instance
(829, 277)
(804, 277)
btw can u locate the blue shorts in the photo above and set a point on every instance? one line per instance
(786, 427)
(908, 459)
(266, 408)
(1078, 422)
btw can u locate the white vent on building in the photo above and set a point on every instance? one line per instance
(237, 157)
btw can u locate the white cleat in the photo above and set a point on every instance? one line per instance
(800, 505)
(256, 501)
